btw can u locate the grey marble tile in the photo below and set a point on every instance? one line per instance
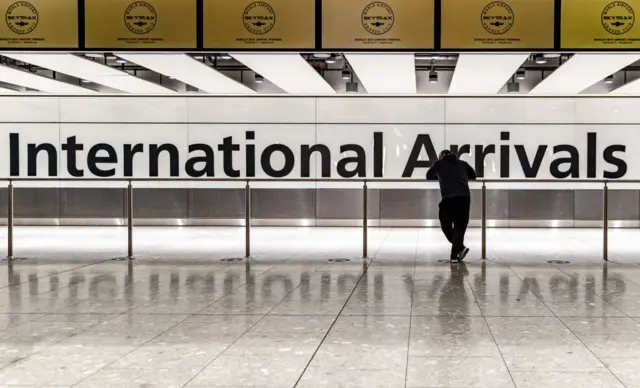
(459, 345)
(602, 326)
(246, 371)
(625, 369)
(66, 369)
(609, 345)
(445, 325)
(162, 355)
(333, 378)
(37, 331)
(79, 318)
(552, 358)
(472, 372)
(566, 379)
(361, 356)
(10, 320)
(512, 306)
(140, 377)
(595, 308)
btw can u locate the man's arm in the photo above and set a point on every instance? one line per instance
(432, 172)
(471, 173)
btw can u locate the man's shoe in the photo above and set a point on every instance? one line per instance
(463, 253)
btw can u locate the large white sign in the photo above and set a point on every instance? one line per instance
(302, 151)
(314, 138)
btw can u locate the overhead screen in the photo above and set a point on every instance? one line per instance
(392, 24)
(248, 24)
(149, 24)
(39, 24)
(600, 24)
(332, 25)
(489, 25)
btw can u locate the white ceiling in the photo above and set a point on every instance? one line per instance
(484, 73)
(290, 72)
(385, 73)
(37, 82)
(582, 71)
(85, 69)
(293, 73)
(188, 70)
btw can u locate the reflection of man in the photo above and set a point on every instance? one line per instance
(453, 175)
(454, 301)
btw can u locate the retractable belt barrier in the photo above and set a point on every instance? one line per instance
(365, 184)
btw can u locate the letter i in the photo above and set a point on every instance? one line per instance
(251, 155)
(504, 156)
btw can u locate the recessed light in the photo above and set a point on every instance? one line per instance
(121, 61)
(352, 87)
(433, 77)
(346, 74)
(258, 79)
(513, 87)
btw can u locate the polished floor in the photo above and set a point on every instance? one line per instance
(179, 316)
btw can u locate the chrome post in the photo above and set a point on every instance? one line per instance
(10, 222)
(247, 221)
(130, 221)
(365, 221)
(605, 222)
(484, 221)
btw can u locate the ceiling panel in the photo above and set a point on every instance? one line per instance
(86, 69)
(631, 88)
(29, 80)
(190, 71)
(290, 72)
(582, 71)
(385, 73)
(484, 73)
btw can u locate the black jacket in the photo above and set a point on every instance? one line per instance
(453, 175)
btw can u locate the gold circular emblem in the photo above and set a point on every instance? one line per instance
(22, 17)
(259, 18)
(497, 18)
(618, 18)
(140, 17)
(377, 18)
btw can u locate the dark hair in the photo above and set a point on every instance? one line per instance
(445, 152)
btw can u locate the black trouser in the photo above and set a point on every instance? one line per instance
(454, 218)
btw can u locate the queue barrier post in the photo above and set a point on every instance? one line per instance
(247, 221)
(605, 222)
(484, 220)
(365, 221)
(10, 221)
(130, 221)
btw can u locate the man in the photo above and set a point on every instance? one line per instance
(453, 175)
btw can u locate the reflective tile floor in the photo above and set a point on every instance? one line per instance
(178, 316)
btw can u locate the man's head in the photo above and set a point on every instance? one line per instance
(444, 153)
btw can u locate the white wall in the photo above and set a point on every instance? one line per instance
(334, 121)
